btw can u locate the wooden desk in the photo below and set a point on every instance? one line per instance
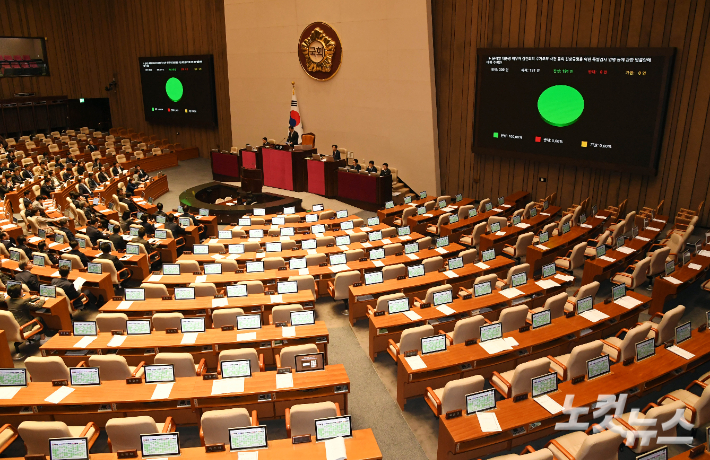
(363, 190)
(663, 289)
(459, 361)
(461, 438)
(268, 342)
(285, 169)
(686, 455)
(56, 314)
(511, 234)
(331, 224)
(310, 236)
(388, 215)
(323, 176)
(155, 187)
(521, 198)
(83, 404)
(456, 230)
(211, 224)
(5, 353)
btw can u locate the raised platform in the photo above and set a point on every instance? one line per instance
(203, 197)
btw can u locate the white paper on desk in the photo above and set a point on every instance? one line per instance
(608, 259)
(405, 238)
(628, 302)
(413, 256)
(61, 393)
(232, 385)
(386, 241)
(659, 220)
(5, 227)
(250, 455)
(704, 253)
(220, 302)
(495, 346)
(231, 256)
(416, 362)
(451, 274)
(441, 250)
(162, 390)
(189, 338)
(482, 266)
(284, 238)
(366, 229)
(512, 292)
(217, 256)
(318, 235)
(680, 352)
(511, 341)
(505, 205)
(522, 225)
(154, 278)
(542, 247)
(85, 341)
(547, 284)
(311, 251)
(246, 336)
(642, 238)
(549, 404)
(343, 248)
(670, 279)
(625, 250)
(500, 233)
(288, 331)
(213, 240)
(201, 279)
(378, 263)
(349, 231)
(124, 305)
(585, 225)
(335, 449)
(488, 422)
(413, 316)
(564, 278)
(51, 245)
(602, 217)
(260, 255)
(366, 245)
(34, 239)
(303, 271)
(254, 240)
(428, 215)
(55, 274)
(594, 315)
(117, 340)
(544, 214)
(126, 257)
(653, 229)
(694, 266)
(277, 298)
(497, 210)
(284, 381)
(9, 392)
(445, 309)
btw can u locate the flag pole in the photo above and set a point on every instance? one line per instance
(293, 91)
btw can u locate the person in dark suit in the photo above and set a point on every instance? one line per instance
(141, 240)
(131, 187)
(149, 228)
(356, 166)
(22, 245)
(26, 277)
(26, 199)
(171, 225)
(27, 173)
(106, 254)
(336, 153)
(91, 182)
(81, 168)
(16, 176)
(123, 199)
(82, 188)
(74, 245)
(67, 174)
(116, 170)
(21, 308)
(68, 287)
(118, 242)
(292, 138)
(46, 189)
(264, 142)
(62, 225)
(42, 247)
(142, 175)
(4, 187)
(371, 167)
(160, 211)
(103, 175)
(385, 170)
(7, 241)
(93, 231)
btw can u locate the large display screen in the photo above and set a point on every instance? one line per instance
(595, 107)
(179, 90)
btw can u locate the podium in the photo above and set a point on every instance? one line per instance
(323, 176)
(252, 180)
(284, 168)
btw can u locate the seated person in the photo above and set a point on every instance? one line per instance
(140, 239)
(21, 307)
(371, 167)
(106, 254)
(69, 289)
(142, 175)
(160, 211)
(131, 187)
(42, 247)
(149, 228)
(22, 245)
(26, 277)
(74, 245)
(93, 231)
(62, 224)
(385, 170)
(356, 166)
(126, 221)
(171, 225)
(118, 242)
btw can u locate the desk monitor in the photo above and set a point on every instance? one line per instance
(109, 206)
(213, 269)
(372, 221)
(138, 326)
(277, 220)
(376, 254)
(443, 297)
(341, 214)
(320, 228)
(289, 210)
(256, 233)
(180, 210)
(134, 250)
(585, 304)
(237, 290)
(404, 231)
(133, 231)
(287, 287)
(442, 204)
(317, 207)
(184, 222)
(454, 263)
(224, 234)
(491, 331)
(333, 427)
(397, 305)
(287, 231)
(42, 233)
(347, 225)
(707, 318)
(38, 260)
(309, 244)
(79, 376)
(297, 263)
(686, 257)
(670, 267)
(645, 349)
(310, 218)
(303, 318)
(13, 377)
(472, 212)
(160, 219)
(453, 219)
(548, 270)
(518, 279)
(458, 198)
(244, 222)
(488, 254)
(594, 209)
(235, 248)
(160, 445)
(192, 324)
(443, 241)
(489, 206)
(373, 278)
(62, 262)
(310, 362)
(566, 227)
(480, 401)
(411, 248)
(250, 437)
(68, 449)
(160, 234)
(422, 195)
(619, 241)
(596, 367)
(582, 218)
(495, 227)
(601, 250)
(544, 384)
(533, 212)
(501, 200)
(682, 332)
(259, 211)
(421, 210)
(255, 266)
(545, 205)
(14, 255)
(618, 291)
(46, 290)
(414, 271)
(82, 243)
(245, 322)
(204, 212)
(658, 454)
(407, 199)
(159, 373)
(482, 289)
(389, 205)
(433, 344)
(84, 328)
(541, 318)
(235, 368)
(342, 240)
(60, 238)
(375, 236)
(273, 247)
(184, 293)
(171, 269)
(338, 259)
(698, 246)
(517, 219)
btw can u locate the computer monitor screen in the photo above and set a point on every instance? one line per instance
(618, 291)
(375, 236)
(309, 244)
(482, 289)
(278, 220)
(337, 259)
(62, 262)
(389, 205)
(287, 231)
(244, 222)
(13, 377)
(404, 231)
(310, 218)
(184, 221)
(376, 254)
(342, 214)
(68, 449)
(533, 212)
(495, 227)
(433, 344)
(257, 233)
(317, 207)
(472, 212)
(15, 255)
(342, 240)
(601, 250)
(545, 205)
(455, 262)
(160, 445)
(138, 326)
(46, 290)
(310, 362)
(180, 210)
(670, 267)
(157, 373)
(548, 270)
(421, 210)
(541, 318)
(184, 293)
(518, 279)
(287, 287)
(236, 249)
(645, 349)
(397, 305)
(598, 366)
(407, 199)
(43, 233)
(422, 195)
(453, 219)
(411, 248)
(83, 328)
(192, 324)
(303, 318)
(171, 269)
(443, 297)
(415, 270)
(489, 206)
(235, 368)
(248, 322)
(297, 263)
(480, 401)
(320, 228)
(347, 225)
(582, 218)
(213, 269)
(333, 427)
(566, 227)
(442, 204)
(517, 219)
(544, 384)
(60, 238)
(491, 331)
(201, 249)
(619, 241)
(160, 234)
(204, 212)
(250, 437)
(38, 260)
(488, 254)
(237, 290)
(458, 198)
(373, 278)
(259, 211)
(134, 250)
(658, 454)
(372, 221)
(133, 231)
(82, 243)
(585, 304)
(255, 266)
(160, 219)
(682, 332)
(289, 210)
(84, 376)
(443, 241)
(273, 247)
(224, 234)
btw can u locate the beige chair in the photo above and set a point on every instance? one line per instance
(36, 434)
(573, 259)
(383, 302)
(117, 277)
(300, 418)
(491, 278)
(620, 349)
(189, 266)
(125, 433)
(475, 238)
(107, 322)
(424, 243)
(273, 263)
(353, 255)
(556, 305)
(204, 289)
(16, 333)
(46, 368)
(429, 297)
(635, 275)
(394, 248)
(115, 367)
(664, 331)
(225, 317)
(305, 283)
(655, 417)
(518, 381)
(657, 266)
(313, 260)
(282, 313)
(453, 395)
(339, 288)
(433, 264)
(697, 412)
(546, 229)
(215, 424)
(287, 357)
(463, 211)
(183, 363)
(513, 318)
(468, 256)
(443, 220)
(466, 329)
(323, 241)
(482, 205)
(574, 364)
(593, 244)
(589, 289)
(228, 265)
(170, 320)
(521, 268)
(154, 291)
(411, 339)
(565, 219)
(391, 272)
(528, 454)
(253, 286)
(579, 445)
(520, 249)
(256, 360)
(503, 221)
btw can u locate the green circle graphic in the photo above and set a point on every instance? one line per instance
(173, 88)
(560, 105)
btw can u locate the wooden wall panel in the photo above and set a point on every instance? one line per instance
(89, 42)
(683, 178)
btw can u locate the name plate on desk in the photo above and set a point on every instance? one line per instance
(424, 305)
(301, 439)
(282, 268)
(628, 361)
(323, 264)
(702, 327)
(524, 328)
(171, 330)
(167, 297)
(214, 448)
(133, 453)
(65, 333)
(696, 451)
(133, 380)
(410, 353)
(117, 298)
(578, 379)
(281, 324)
(401, 277)
(60, 383)
(521, 397)
(470, 342)
(239, 270)
(283, 370)
(363, 259)
(358, 284)
(209, 376)
(569, 314)
(467, 296)
(228, 327)
(454, 414)
(380, 313)
(116, 332)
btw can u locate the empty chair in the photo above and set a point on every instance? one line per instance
(482, 205)
(273, 263)
(443, 220)
(225, 317)
(204, 289)
(620, 349)
(313, 260)
(287, 357)
(513, 318)
(583, 446)
(163, 321)
(565, 219)
(573, 259)
(338, 289)
(556, 305)
(522, 268)
(593, 244)
(353, 255)
(154, 291)
(445, 198)
(215, 424)
(125, 433)
(383, 302)
(36, 434)
(256, 361)
(528, 453)
(453, 395)
(391, 272)
(305, 283)
(394, 248)
(424, 243)
(547, 229)
(300, 418)
(107, 322)
(497, 220)
(253, 286)
(637, 276)
(183, 363)
(323, 241)
(466, 329)
(15, 333)
(115, 367)
(475, 237)
(589, 289)
(518, 381)
(697, 411)
(433, 264)
(520, 249)
(491, 278)
(574, 364)
(664, 331)
(46, 368)
(463, 211)
(430, 205)
(282, 313)
(189, 266)
(411, 339)
(468, 256)
(657, 266)
(652, 419)
(429, 297)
